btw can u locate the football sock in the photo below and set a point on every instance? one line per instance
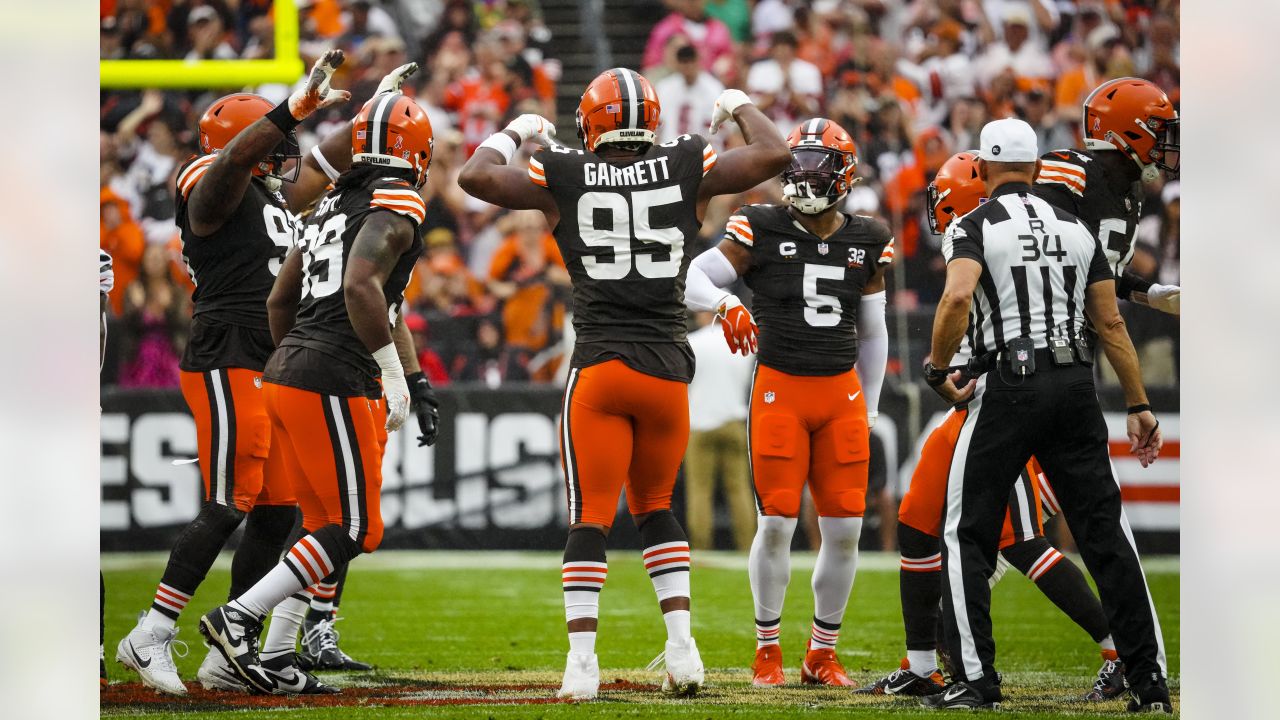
(282, 633)
(309, 561)
(582, 576)
(833, 575)
(189, 561)
(266, 535)
(769, 568)
(920, 588)
(337, 593)
(1062, 582)
(666, 559)
(1108, 645)
(322, 595)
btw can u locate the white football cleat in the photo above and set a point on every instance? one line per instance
(685, 674)
(216, 674)
(148, 652)
(581, 677)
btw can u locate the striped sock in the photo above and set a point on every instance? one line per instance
(582, 582)
(768, 631)
(824, 635)
(306, 564)
(322, 595)
(166, 605)
(668, 567)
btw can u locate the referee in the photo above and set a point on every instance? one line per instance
(1022, 276)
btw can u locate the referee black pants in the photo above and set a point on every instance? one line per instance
(1054, 415)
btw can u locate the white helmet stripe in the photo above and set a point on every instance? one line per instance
(632, 92)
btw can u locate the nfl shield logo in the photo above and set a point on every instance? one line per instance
(257, 382)
(1022, 356)
(769, 397)
(822, 248)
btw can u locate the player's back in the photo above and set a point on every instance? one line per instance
(1101, 187)
(322, 352)
(806, 291)
(624, 226)
(233, 269)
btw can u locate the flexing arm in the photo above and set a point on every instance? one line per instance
(218, 193)
(286, 293)
(873, 344)
(487, 175)
(383, 238)
(1100, 305)
(764, 156)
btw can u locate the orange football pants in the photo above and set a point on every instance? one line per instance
(332, 447)
(809, 428)
(922, 507)
(621, 428)
(239, 464)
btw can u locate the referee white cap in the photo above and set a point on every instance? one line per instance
(1009, 140)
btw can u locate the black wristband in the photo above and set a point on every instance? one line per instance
(934, 376)
(282, 118)
(1135, 409)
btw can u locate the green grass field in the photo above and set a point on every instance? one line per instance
(480, 635)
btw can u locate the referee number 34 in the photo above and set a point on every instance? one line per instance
(1036, 246)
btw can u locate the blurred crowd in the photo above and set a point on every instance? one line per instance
(912, 81)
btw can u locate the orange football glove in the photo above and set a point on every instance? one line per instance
(740, 329)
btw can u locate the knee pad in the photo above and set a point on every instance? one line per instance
(221, 519)
(852, 439)
(585, 544)
(775, 531)
(337, 543)
(776, 435)
(660, 526)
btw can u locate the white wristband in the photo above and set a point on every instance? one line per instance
(329, 170)
(501, 142)
(388, 361)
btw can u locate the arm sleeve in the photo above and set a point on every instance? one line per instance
(708, 274)
(1128, 283)
(873, 349)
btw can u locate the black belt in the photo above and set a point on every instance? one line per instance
(990, 361)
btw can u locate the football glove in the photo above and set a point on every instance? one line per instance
(739, 328)
(1166, 298)
(393, 80)
(533, 127)
(425, 405)
(394, 387)
(728, 101)
(316, 93)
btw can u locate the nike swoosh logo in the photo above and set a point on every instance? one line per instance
(855, 395)
(137, 659)
(952, 694)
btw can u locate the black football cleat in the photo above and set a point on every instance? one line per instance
(320, 649)
(1110, 683)
(292, 680)
(1152, 698)
(235, 634)
(905, 683)
(964, 696)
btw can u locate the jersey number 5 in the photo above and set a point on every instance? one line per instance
(322, 257)
(623, 223)
(821, 310)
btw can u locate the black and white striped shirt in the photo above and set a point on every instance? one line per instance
(1036, 261)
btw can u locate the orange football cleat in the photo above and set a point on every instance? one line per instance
(767, 669)
(822, 667)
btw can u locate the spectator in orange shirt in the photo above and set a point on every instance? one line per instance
(528, 274)
(120, 235)
(480, 98)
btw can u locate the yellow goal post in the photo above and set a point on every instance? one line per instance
(285, 67)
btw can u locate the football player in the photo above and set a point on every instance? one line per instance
(1131, 133)
(335, 385)
(235, 228)
(955, 191)
(817, 278)
(624, 208)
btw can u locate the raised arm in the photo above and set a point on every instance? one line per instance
(383, 238)
(218, 193)
(286, 293)
(488, 176)
(764, 156)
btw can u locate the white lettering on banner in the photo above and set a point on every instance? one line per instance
(535, 434)
(114, 514)
(157, 439)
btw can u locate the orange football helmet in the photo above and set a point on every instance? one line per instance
(229, 115)
(619, 106)
(823, 159)
(955, 190)
(1136, 117)
(394, 131)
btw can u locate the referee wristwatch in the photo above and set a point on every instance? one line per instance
(935, 376)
